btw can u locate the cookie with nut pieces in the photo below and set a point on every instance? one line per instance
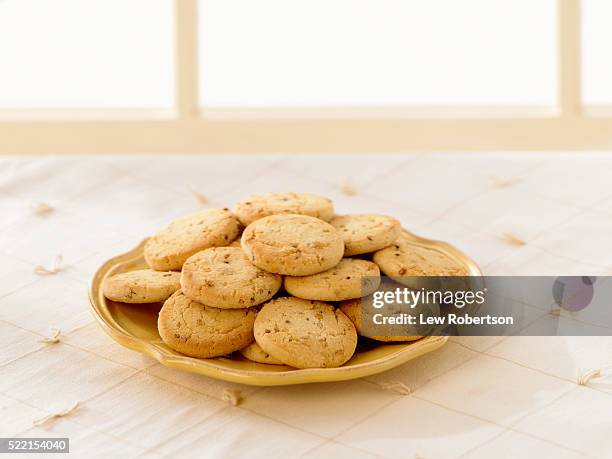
(169, 248)
(294, 245)
(259, 206)
(224, 277)
(351, 278)
(405, 259)
(255, 353)
(305, 334)
(194, 329)
(141, 286)
(365, 233)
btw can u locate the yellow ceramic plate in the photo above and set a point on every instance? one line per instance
(135, 327)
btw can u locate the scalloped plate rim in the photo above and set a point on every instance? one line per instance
(208, 367)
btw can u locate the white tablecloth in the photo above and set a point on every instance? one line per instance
(474, 398)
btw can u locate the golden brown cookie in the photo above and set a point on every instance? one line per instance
(351, 278)
(255, 353)
(406, 259)
(352, 309)
(364, 233)
(305, 334)
(169, 248)
(259, 206)
(224, 277)
(202, 331)
(141, 286)
(295, 245)
(235, 243)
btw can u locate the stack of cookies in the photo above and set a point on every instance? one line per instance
(279, 279)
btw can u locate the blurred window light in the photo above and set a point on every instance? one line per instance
(288, 53)
(87, 54)
(596, 52)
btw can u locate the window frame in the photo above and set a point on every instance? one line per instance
(191, 129)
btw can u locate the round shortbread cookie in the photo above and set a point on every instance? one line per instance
(169, 248)
(364, 233)
(351, 278)
(295, 245)
(305, 334)
(259, 206)
(405, 259)
(224, 277)
(255, 353)
(197, 330)
(141, 286)
(352, 309)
